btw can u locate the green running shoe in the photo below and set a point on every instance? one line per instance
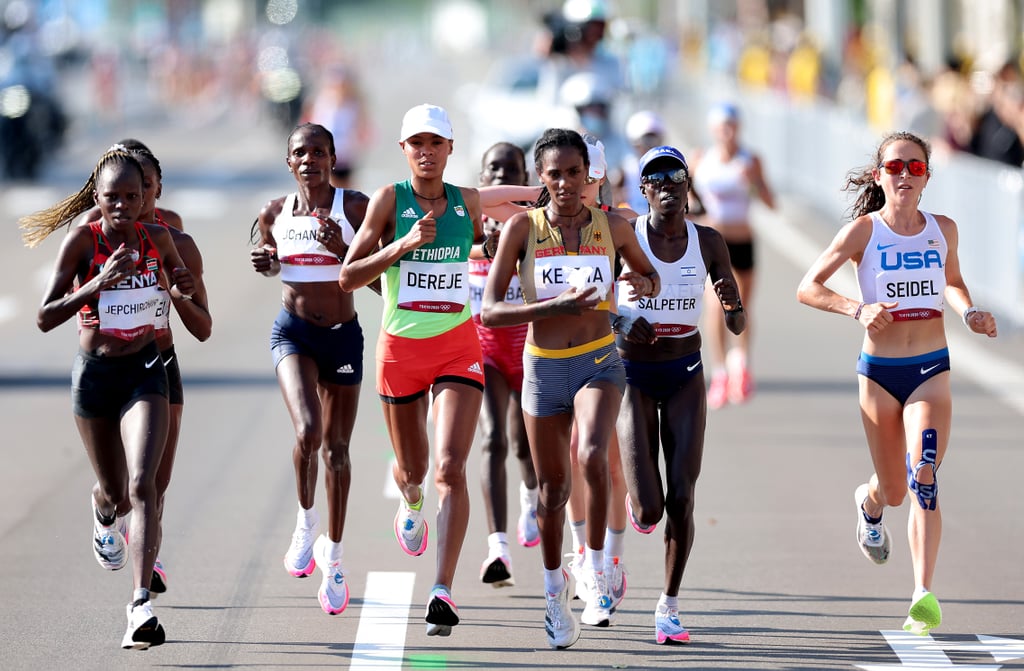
(925, 614)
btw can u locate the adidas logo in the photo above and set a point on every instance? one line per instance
(409, 214)
(347, 368)
(475, 368)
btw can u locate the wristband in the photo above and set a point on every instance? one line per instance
(967, 314)
(738, 308)
(486, 252)
(856, 315)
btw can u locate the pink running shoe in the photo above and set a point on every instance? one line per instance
(718, 391)
(635, 522)
(741, 387)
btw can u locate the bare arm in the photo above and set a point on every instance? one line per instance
(264, 257)
(757, 180)
(848, 245)
(374, 248)
(716, 259)
(194, 312)
(642, 277)
(500, 201)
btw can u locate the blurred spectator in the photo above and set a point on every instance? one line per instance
(592, 98)
(957, 104)
(803, 70)
(644, 130)
(576, 46)
(996, 135)
(339, 106)
(914, 110)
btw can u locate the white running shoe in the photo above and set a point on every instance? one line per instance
(667, 628)
(597, 611)
(527, 530)
(333, 592)
(299, 560)
(108, 541)
(497, 570)
(575, 565)
(411, 528)
(615, 570)
(559, 622)
(873, 539)
(442, 613)
(143, 628)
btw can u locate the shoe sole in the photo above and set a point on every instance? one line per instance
(497, 575)
(859, 495)
(665, 639)
(302, 572)
(599, 621)
(440, 617)
(562, 646)
(325, 603)
(147, 635)
(158, 583)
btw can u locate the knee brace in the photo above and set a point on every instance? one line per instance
(927, 494)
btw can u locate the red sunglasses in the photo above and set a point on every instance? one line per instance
(914, 166)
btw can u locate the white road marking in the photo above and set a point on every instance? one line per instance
(380, 639)
(1000, 377)
(924, 653)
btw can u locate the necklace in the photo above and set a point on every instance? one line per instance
(420, 195)
(554, 215)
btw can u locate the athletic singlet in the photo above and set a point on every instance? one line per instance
(303, 257)
(426, 292)
(908, 269)
(163, 321)
(723, 186)
(133, 306)
(676, 309)
(548, 269)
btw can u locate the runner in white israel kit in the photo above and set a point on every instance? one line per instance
(908, 269)
(317, 346)
(664, 406)
(113, 274)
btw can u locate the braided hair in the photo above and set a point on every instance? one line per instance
(555, 138)
(38, 226)
(870, 197)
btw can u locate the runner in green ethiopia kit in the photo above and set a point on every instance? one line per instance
(416, 237)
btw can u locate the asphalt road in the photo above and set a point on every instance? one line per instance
(775, 580)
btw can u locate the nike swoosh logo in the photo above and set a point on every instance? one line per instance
(690, 369)
(884, 247)
(168, 362)
(925, 371)
(541, 241)
(601, 359)
(153, 362)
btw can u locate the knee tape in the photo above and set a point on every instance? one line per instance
(927, 494)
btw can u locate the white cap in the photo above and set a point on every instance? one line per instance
(643, 123)
(426, 119)
(595, 152)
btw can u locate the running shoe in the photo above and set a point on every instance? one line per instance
(411, 528)
(640, 528)
(527, 530)
(333, 592)
(718, 390)
(442, 614)
(873, 539)
(158, 584)
(925, 614)
(741, 386)
(143, 628)
(299, 560)
(108, 541)
(497, 570)
(559, 622)
(667, 628)
(575, 564)
(598, 603)
(616, 572)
